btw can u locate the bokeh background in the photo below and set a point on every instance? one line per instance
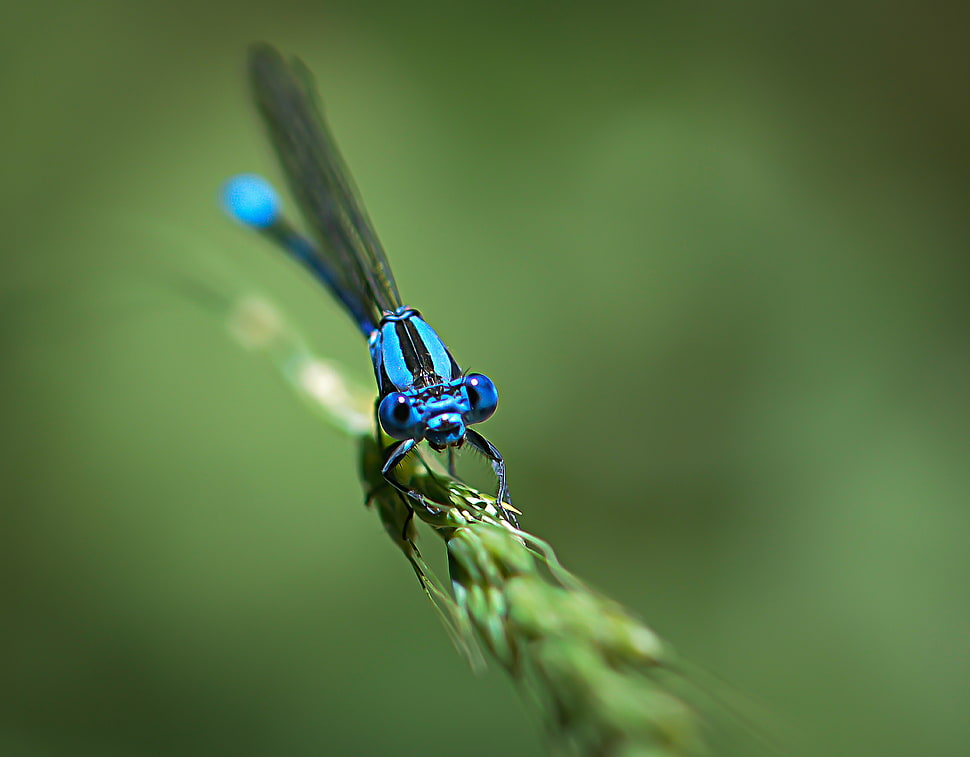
(714, 258)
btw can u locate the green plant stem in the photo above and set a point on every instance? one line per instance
(597, 675)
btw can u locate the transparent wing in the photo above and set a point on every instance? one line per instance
(319, 180)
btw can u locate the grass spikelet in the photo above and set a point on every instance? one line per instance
(597, 676)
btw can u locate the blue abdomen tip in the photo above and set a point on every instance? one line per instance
(251, 200)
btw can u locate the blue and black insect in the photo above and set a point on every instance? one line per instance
(422, 393)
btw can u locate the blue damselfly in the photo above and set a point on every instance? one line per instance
(422, 393)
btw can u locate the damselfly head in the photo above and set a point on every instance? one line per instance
(434, 415)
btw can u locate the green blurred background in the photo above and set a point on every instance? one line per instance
(714, 258)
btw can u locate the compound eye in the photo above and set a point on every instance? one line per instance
(482, 396)
(398, 417)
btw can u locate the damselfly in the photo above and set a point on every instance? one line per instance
(422, 393)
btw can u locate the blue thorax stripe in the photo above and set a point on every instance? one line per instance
(410, 353)
(393, 358)
(441, 359)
